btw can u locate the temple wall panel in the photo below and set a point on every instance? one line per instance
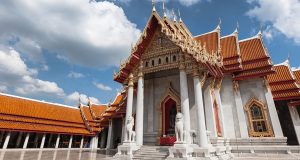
(229, 108)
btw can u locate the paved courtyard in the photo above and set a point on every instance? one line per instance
(55, 155)
(107, 155)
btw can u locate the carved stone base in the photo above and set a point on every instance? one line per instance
(180, 150)
(125, 150)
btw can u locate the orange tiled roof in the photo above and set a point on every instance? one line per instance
(283, 83)
(255, 60)
(98, 109)
(297, 76)
(230, 53)
(210, 40)
(30, 115)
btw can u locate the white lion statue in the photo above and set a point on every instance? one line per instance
(130, 137)
(179, 127)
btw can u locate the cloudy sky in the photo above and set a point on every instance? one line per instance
(61, 50)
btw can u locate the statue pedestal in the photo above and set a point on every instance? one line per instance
(180, 150)
(125, 150)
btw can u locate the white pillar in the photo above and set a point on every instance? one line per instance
(81, 141)
(109, 136)
(19, 139)
(129, 101)
(240, 111)
(221, 112)
(96, 141)
(70, 141)
(202, 140)
(57, 141)
(43, 140)
(26, 141)
(6, 141)
(185, 107)
(296, 121)
(140, 108)
(273, 113)
(123, 130)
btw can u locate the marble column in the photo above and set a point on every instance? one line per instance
(150, 107)
(129, 101)
(202, 136)
(240, 111)
(273, 113)
(96, 141)
(43, 140)
(19, 139)
(57, 141)
(140, 108)
(70, 141)
(185, 107)
(220, 110)
(6, 141)
(81, 142)
(109, 136)
(296, 121)
(26, 141)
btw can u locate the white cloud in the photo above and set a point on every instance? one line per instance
(3, 88)
(282, 14)
(102, 86)
(73, 99)
(15, 74)
(73, 74)
(296, 68)
(87, 33)
(186, 3)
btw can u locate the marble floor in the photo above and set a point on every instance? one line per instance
(107, 155)
(55, 154)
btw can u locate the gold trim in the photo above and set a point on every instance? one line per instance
(263, 107)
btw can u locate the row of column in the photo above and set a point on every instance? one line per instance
(42, 144)
(202, 141)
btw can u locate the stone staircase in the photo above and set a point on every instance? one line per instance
(151, 152)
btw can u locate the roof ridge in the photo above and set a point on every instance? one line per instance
(39, 101)
(287, 64)
(257, 36)
(215, 30)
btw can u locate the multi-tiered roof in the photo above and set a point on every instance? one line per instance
(220, 55)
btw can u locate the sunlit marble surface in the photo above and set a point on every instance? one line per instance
(55, 154)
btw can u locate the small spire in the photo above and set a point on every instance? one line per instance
(153, 6)
(237, 27)
(174, 16)
(259, 34)
(179, 15)
(164, 10)
(289, 57)
(219, 25)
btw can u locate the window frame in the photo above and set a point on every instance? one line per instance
(263, 108)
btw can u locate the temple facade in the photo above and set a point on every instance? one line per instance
(231, 96)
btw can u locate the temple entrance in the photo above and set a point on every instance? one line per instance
(169, 112)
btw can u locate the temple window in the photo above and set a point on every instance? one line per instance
(174, 58)
(257, 118)
(167, 59)
(152, 62)
(159, 61)
(146, 64)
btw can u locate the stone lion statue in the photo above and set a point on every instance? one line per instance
(130, 137)
(179, 132)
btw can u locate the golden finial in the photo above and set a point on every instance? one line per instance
(179, 15)
(174, 16)
(153, 6)
(164, 10)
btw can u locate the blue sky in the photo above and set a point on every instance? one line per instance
(61, 50)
